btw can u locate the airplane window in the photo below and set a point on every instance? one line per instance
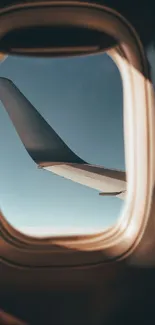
(81, 98)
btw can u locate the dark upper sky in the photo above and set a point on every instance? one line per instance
(82, 100)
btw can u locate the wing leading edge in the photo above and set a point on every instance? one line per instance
(49, 151)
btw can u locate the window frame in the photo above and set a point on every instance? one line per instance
(119, 240)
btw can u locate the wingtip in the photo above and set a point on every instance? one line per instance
(39, 138)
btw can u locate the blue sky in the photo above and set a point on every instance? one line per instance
(81, 98)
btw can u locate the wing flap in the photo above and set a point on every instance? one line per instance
(111, 182)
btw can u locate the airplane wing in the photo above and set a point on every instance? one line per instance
(49, 151)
